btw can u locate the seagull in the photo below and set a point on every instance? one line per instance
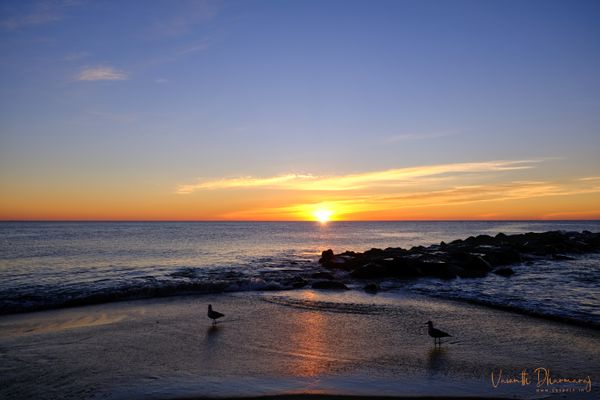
(436, 333)
(214, 315)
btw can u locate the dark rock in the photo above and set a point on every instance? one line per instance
(440, 270)
(350, 254)
(371, 271)
(322, 275)
(374, 253)
(395, 252)
(346, 260)
(339, 262)
(504, 271)
(501, 255)
(329, 285)
(371, 288)
(473, 257)
(481, 240)
(471, 262)
(477, 263)
(404, 268)
(326, 255)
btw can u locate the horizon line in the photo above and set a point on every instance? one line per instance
(316, 221)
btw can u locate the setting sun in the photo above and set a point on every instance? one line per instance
(323, 215)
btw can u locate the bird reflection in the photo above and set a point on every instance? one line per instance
(437, 360)
(212, 332)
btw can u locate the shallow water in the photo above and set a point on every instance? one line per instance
(54, 264)
(300, 341)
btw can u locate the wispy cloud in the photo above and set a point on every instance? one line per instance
(199, 46)
(461, 190)
(514, 190)
(101, 73)
(386, 178)
(427, 204)
(590, 178)
(412, 136)
(78, 55)
(245, 182)
(185, 18)
(38, 13)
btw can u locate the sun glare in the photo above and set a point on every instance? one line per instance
(323, 215)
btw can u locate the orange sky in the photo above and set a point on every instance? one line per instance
(480, 190)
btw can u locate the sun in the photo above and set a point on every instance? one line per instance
(323, 215)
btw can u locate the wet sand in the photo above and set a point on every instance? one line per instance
(290, 343)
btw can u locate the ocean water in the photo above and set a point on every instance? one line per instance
(60, 264)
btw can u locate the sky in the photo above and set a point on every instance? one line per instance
(299, 110)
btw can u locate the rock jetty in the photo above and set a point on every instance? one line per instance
(473, 257)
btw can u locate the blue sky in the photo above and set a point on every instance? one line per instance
(164, 93)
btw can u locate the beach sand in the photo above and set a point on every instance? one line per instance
(290, 343)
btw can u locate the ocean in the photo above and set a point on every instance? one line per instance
(46, 265)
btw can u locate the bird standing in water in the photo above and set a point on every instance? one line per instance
(214, 315)
(436, 334)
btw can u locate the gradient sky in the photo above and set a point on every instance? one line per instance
(273, 110)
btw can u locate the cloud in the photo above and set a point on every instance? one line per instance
(185, 18)
(102, 73)
(590, 178)
(200, 46)
(474, 189)
(407, 137)
(39, 13)
(426, 203)
(244, 182)
(76, 56)
(387, 178)
(514, 190)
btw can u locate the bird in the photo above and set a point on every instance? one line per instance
(214, 315)
(436, 334)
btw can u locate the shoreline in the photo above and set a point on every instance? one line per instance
(480, 303)
(524, 312)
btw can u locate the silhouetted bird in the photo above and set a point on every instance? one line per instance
(214, 315)
(436, 334)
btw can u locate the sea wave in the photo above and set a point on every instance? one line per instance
(182, 281)
(565, 290)
(525, 293)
